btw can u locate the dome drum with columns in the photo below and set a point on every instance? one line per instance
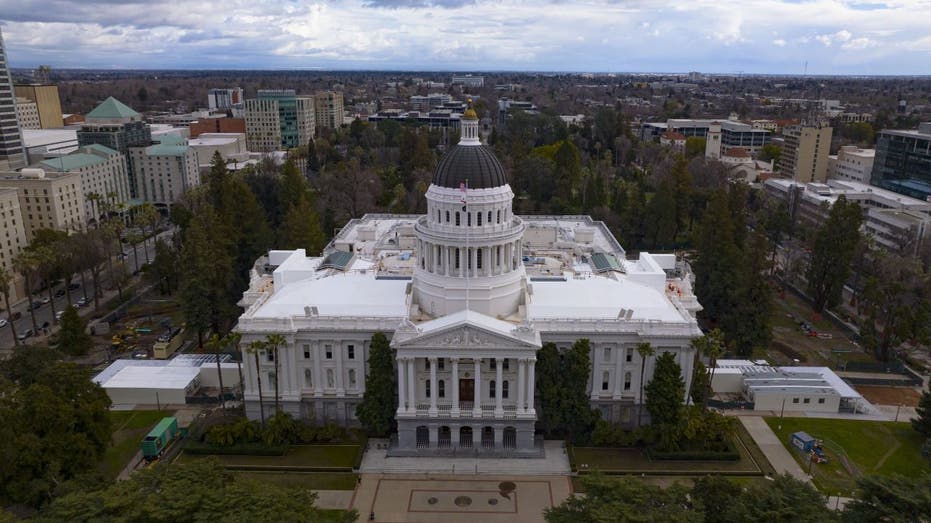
(468, 294)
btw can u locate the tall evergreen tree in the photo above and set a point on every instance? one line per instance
(833, 251)
(72, 338)
(379, 404)
(665, 392)
(922, 421)
(548, 387)
(301, 228)
(716, 258)
(579, 417)
(747, 324)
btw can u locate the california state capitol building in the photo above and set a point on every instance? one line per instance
(467, 294)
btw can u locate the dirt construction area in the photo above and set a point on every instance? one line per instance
(905, 396)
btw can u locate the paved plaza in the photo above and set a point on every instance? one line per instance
(455, 498)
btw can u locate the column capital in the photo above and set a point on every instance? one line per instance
(432, 359)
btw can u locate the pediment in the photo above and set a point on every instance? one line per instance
(468, 331)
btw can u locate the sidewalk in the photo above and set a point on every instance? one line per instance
(775, 452)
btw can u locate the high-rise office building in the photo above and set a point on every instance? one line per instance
(329, 109)
(903, 161)
(804, 156)
(47, 102)
(221, 99)
(114, 125)
(27, 113)
(279, 120)
(12, 155)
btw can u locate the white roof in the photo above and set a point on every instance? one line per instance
(152, 377)
(350, 294)
(600, 297)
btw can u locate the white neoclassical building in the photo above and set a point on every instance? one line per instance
(467, 293)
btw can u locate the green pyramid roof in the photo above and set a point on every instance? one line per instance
(112, 108)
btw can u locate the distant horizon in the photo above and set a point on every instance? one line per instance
(831, 38)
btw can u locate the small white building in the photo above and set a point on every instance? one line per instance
(785, 389)
(852, 164)
(231, 146)
(165, 382)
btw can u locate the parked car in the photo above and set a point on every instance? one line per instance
(27, 334)
(82, 302)
(59, 314)
(34, 305)
(74, 286)
(44, 300)
(59, 293)
(2, 323)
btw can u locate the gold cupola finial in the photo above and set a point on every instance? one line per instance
(470, 113)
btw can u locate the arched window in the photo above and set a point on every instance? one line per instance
(427, 389)
(352, 378)
(468, 219)
(489, 216)
(626, 381)
(441, 389)
(457, 218)
(478, 258)
(504, 388)
(447, 216)
(605, 377)
(457, 257)
(272, 379)
(499, 216)
(308, 378)
(478, 219)
(491, 389)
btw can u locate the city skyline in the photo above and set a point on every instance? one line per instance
(759, 36)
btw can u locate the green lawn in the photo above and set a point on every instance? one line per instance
(871, 448)
(296, 456)
(309, 480)
(129, 427)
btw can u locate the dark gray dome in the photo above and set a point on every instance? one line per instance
(475, 163)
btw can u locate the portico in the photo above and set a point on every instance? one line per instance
(465, 383)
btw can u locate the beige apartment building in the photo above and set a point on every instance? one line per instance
(47, 200)
(329, 109)
(102, 171)
(27, 114)
(12, 237)
(164, 172)
(805, 153)
(47, 102)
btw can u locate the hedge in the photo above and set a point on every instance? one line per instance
(243, 449)
(695, 455)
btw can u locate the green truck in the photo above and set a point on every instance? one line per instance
(158, 439)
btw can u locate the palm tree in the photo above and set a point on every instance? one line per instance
(146, 217)
(215, 344)
(645, 350)
(274, 341)
(27, 264)
(711, 345)
(255, 348)
(5, 277)
(232, 340)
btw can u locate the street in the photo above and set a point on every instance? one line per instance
(44, 312)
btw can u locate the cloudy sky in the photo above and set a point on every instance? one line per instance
(721, 36)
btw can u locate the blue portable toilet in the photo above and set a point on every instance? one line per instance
(802, 441)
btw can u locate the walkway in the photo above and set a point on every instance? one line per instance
(554, 462)
(774, 450)
(337, 499)
(504, 498)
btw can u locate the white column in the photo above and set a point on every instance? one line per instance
(477, 395)
(596, 372)
(499, 389)
(433, 387)
(411, 389)
(455, 386)
(402, 386)
(521, 377)
(489, 261)
(318, 369)
(435, 251)
(446, 261)
(338, 354)
(619, 356)
(531, 366)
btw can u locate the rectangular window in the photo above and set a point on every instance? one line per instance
(329, 351)
(607, 354)
(627, 381)
(306, 352)
(807, 401)
(441, 364)
(491, 389)
(821, 400)
(269, 356)
(630, 355)
(351, 352)
(505, 364)
(794, 400)
(504, 389)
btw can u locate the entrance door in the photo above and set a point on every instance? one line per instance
(466, 390)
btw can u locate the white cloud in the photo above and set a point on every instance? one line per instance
(472, 34)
